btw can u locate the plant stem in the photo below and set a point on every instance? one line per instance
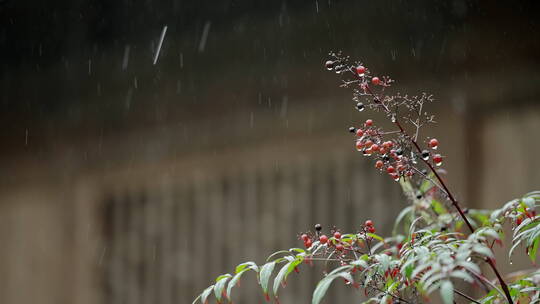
(466, 296)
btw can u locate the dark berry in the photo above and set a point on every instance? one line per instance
(425, 154)
(329, 64)
(399, 152)
(318, 227)
(352, 129)
(360, 106)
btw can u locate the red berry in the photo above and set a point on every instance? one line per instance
(359, 145)
(390, 169)
(359, 132)
(382, 150)
(519, 220)
(368, 143)
(400, 168)
(371, 229)
(375, 80)
(375, 148)
(323, 239)
(369, 223)
(433, 143)
(379, 164)
(304, 237)
(339, 247)
(369, 122)
(337, 235)
(360, 70)
(308, 243)
(437, 158)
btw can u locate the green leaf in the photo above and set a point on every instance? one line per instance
(242, 266)
(220, 285)
(447, 292)
(409, 270)
(513, 248)
(373, 235)
(237, 276)
(285, 271)
(264, 275)
(438, 207)
(276, 253)
(402, 215)
(460, 274)
(483, 250)
(323, 285)
(533, 251)
(204, 295)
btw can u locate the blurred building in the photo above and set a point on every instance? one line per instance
(125, 181)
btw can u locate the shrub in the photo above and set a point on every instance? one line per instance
(435, 242)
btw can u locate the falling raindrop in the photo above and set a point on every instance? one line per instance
(125, 60)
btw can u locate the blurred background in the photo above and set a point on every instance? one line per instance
(125, 181)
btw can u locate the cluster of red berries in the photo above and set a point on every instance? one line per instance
(336, 239)
(368, 226)
(391, 156)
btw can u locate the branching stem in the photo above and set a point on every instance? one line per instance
(451, 197)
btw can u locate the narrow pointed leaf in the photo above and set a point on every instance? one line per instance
(205, 294)
(447, 292)
(280, 277)
(264, 275)
(220, 285)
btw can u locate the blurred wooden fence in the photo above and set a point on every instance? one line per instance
(165, 243)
